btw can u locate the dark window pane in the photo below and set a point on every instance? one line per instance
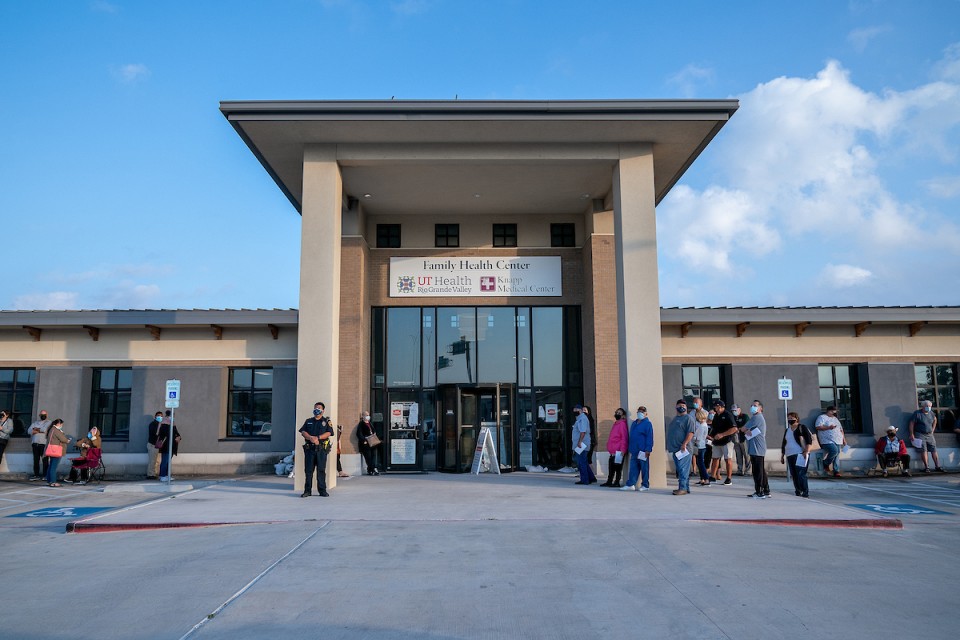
(105, 402)
(429, 360)
(926, 394)
(456, 345)
(6, 378)
(263, 402)
(26, 377)
(945, 375)
(504, 235)
(124, 378)
(388, 236)
(447, 235)
(108, 379)
(240, 401)
(263, 379)
(242, 378)
(123, 403)
(947, 398)
(563, 235)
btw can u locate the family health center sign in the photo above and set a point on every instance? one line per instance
(475, 277)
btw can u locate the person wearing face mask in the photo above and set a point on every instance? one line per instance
(55, 436)
(756, 427)
(153, 454)
(740, 443)
(679, 435)
(640, 441)
(723, 432)
(369, 452)
(6, 430)
(89, 442)
(163, 444)
(795, 447)
(587, 411)
(616, 444)
(923, 424)
(580, 439)
(38, 442)
(316, 432)
(830, 434)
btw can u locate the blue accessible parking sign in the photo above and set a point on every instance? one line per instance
(59, 512)
(898, 509)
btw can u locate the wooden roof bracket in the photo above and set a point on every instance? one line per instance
(685, 329)
(860, 327)
(800, 327)
(94, 332)
(154, 331)
(34, 333)
(916, 326)
(217, 331)
(274, 331)
(741, 328)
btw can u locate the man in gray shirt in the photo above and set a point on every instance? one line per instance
(38, 442)
(580, 439)
(679, 434)
(923, 424)
(756, 432)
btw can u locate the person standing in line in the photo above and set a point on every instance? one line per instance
(796, 444)
(756, 427)
(832, 440)
(38, 442)
(723, 432)
(640, 441)
(163, 444)
(153, 454)
(580, 438)
(679, 435)
(923, 424)
(740, 442)
(316, 432)
(56, 436)
(365, 430)
(593, 436)
(616, 444)
(6, 430)
(340, 472)
(700, 443)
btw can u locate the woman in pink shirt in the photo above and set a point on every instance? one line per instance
(617, 448)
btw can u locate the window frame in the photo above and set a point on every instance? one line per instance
(504, 234)
(851, 418)
(563, 234)
(388, 236)
(20, 422)
(946, 416)
(96, 415)
(249, 415)
(691, 391)
(448, 233)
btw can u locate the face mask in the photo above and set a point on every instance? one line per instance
(754, 409)
(90, 434)
(317, 412)
(366, 418)
(159, 418)
(710, 415)
(617, 415)
(641, 415)
(926, 409)
(43, 416)
(681, 409)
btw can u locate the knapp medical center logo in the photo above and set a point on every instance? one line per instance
(463, 277)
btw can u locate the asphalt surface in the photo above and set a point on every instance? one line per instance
(440, 556)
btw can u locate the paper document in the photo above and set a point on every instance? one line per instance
(680, 455)
(580, 448)
(845, 449)
(753, 433)
(917, 443)
(802, 460)
(642, 455)
(618, 457)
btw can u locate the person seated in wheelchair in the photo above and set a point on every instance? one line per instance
(891, 450)
(80, 469)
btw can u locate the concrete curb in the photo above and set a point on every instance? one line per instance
(98, 527)
(885, 523)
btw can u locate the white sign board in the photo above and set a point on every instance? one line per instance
(403, 451)
(550, 413)
(785, 389)
(485, 451)
(475, 277)
(173, 394)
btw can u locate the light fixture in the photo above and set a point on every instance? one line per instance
(367, 195)
(476, 195)
(584, 196)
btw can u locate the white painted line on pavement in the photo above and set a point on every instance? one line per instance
(909, 493)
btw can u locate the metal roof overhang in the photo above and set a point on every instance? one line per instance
(514, 157)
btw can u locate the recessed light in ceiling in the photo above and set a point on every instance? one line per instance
(367, 195)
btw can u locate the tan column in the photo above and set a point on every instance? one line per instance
(638, 294)
(318, 335)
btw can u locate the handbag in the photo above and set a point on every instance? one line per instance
(161, 443)
(373, 440)
(53, 451)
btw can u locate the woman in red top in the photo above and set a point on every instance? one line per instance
(617, 444)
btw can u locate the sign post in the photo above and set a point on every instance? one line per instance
(785, 392)
(172, 402)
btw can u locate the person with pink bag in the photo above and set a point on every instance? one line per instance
(57, 441)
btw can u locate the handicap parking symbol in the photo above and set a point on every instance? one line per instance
(58, 512)
(898, 509)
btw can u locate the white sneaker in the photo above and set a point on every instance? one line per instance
(164, 478)
(628, 488)
(643, 489)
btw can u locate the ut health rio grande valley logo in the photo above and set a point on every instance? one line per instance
(405, 284)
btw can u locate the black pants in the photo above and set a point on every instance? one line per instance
(370, 457)
(884, 459)
(315, 458)
(799, 476)
(3, 445)
(615, 472)
(760, 483)
(37, 458)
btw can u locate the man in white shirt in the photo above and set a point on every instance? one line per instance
(830, 433)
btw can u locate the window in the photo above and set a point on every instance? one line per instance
(838, 387)
(703, 382)
(447, 235)
(938, 384)
(16, 396)
(110, 402)
(504, 235)
(250, 403)
(388, 236)
(563, 234)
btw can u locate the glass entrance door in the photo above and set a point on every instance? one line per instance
(464, 412)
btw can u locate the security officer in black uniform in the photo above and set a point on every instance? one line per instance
(317, 433)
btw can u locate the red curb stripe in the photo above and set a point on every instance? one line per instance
(885, 523)
(97, 527)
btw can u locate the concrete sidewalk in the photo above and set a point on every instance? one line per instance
(441, 497)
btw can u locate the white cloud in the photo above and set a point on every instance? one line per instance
(130, 73)
(844, 275)
(409, 7)
(690, 78)
(860, 38)
(128, 295)
(948, 68)
(54, 300)
(944, 187)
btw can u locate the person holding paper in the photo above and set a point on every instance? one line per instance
(723, 431)
(679, 434)
(890, 449)
(923, 425)
(756, 433)
(640, 444)
(796, 444)
(581, 446)
(700, 444)
(617, 448)
(830, 434)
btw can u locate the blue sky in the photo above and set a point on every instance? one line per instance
(837, 182)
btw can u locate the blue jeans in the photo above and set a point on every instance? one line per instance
(164, 464)
(683, 471)
(52, 470)
(583, 464)
(702, 464)
(799, 475)
(639, 469)
(831, 456)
